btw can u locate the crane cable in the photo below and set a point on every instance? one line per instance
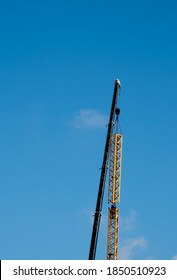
(117, 121)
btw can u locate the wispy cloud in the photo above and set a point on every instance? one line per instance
(128, 223)
(174, 257)
(89, 118)
(130, 247)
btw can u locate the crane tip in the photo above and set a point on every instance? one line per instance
(118, 82)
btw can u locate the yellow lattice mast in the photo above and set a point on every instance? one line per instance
(115, 166)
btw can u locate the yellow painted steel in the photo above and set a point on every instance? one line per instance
(115, 168)
(112, 238)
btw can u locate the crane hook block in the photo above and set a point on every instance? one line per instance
(117, 111)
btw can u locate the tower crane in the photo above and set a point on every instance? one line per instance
(113, 153)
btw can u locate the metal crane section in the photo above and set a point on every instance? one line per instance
(112, 237)
(115, 168)
(98, 209)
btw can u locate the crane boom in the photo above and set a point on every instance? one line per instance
(97, 215)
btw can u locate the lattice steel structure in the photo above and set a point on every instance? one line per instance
(115, 166)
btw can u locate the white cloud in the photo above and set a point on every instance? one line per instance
(174, 257)
(130, 247)
(89, 118)
(128, 223)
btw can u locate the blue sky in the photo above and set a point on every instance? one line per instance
(58, 63)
